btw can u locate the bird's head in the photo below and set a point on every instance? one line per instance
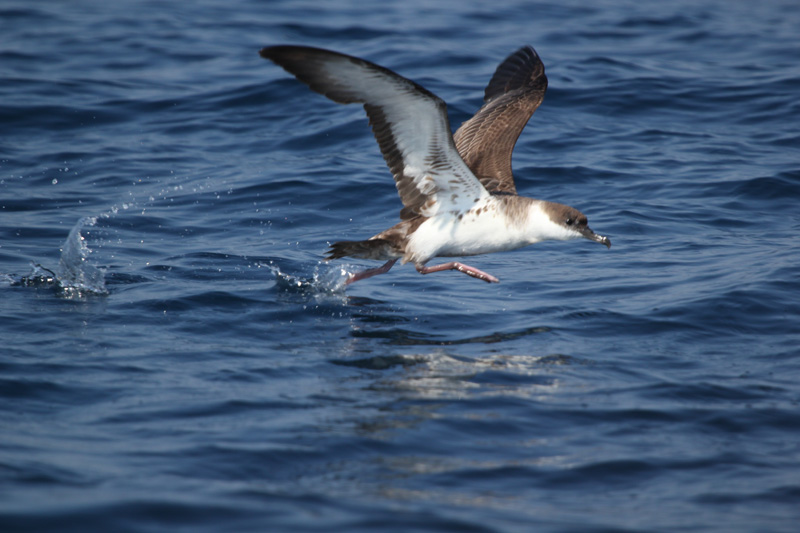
(566, 223)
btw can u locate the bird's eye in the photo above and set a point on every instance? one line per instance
(569, 222)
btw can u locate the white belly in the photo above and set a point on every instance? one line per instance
(447, 236)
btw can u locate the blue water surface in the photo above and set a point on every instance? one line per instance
(176, 357)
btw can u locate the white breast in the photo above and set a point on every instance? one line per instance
(481, 230)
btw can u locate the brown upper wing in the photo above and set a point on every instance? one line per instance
(487, 140)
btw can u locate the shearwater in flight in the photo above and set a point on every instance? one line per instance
(457, 189)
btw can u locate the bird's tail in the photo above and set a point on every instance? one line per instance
(370, 249)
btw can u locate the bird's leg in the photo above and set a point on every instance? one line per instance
(371, 272)
(466, 269)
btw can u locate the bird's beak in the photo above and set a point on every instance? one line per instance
(592, 236)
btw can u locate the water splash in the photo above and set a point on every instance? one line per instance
(325, 279)
(75, 275)
(39, 276)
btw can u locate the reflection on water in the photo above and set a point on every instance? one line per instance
(421, 405)
(439, 375)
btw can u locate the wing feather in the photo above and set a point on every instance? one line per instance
(486, 141)
(409, 122)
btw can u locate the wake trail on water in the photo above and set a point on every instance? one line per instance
(76, 275)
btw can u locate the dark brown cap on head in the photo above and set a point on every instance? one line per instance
(570, 217)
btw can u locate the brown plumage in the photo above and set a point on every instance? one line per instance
(457, 190)
(486, 141)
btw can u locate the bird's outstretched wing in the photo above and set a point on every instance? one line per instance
(486, 141)
(409, 122)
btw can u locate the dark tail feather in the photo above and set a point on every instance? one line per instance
(372, 249)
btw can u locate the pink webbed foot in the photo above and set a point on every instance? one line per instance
(466, 269)
(371, 272)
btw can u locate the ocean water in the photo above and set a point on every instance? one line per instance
(176, 357)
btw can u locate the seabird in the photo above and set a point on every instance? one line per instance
(457, 190)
